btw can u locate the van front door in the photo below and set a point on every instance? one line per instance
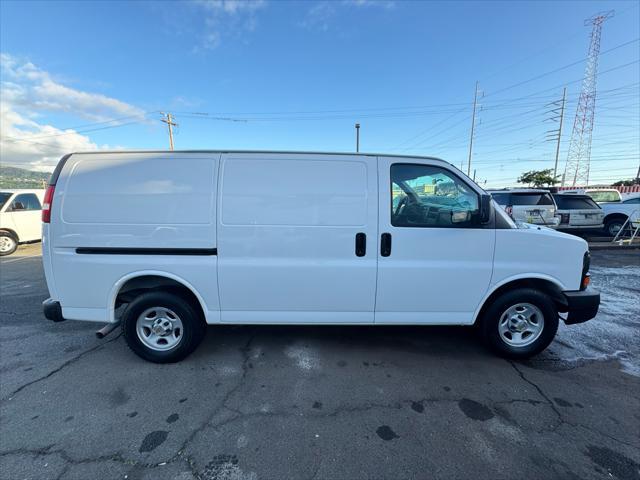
(297, 238)
(435, 260)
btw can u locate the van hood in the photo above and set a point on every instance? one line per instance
(546, 231)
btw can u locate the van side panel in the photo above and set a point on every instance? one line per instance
(287, 238)
(132, 201)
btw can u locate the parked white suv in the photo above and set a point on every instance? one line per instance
(528, 205)
(186, 239)
(19, 218)
(578, 212)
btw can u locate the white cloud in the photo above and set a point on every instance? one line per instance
(26, 93)
(371, 3)
(32, 88)
(225, 18)
(320, 14)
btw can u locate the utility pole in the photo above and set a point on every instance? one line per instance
(473, 126)
(168, 119)
(557, 134)
(357, 137)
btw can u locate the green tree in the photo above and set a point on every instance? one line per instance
(626, 183)
(538, 178)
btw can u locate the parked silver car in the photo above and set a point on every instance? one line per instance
(528, 205)
(578, 212)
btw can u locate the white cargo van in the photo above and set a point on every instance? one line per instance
(20, 212)
(184, 239)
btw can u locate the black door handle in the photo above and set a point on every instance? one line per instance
(361, 244)
(385, 244)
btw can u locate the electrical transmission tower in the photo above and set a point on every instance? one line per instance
(577, 167)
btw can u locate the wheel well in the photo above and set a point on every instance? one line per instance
(612, 216)
(153, 283)
(11, 232)
(545, 286)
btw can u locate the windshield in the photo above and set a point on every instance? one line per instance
(501, 198)
(570, 202)
(531, 199)
(605, 196)
(4, 196)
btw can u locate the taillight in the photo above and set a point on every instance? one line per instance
(509, 210)
(46, 205)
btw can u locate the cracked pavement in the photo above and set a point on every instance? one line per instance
(276, 402)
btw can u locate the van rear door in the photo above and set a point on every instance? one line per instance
(297, 238)
(435, 259)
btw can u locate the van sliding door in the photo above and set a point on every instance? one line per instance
(297, 238)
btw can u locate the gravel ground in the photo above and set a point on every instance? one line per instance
(260, 402)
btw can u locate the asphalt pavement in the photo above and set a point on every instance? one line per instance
(288, 402)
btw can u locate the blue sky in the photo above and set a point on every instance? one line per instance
(298, 75)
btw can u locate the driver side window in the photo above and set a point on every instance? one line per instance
(428, 196)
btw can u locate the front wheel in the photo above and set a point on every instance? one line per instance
(613, 226)
(520, 323)
(162, 327)
(8, 244)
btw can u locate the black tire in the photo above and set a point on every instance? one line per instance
(613, 225)
(10, 240)
(493, 315)
(192, 332)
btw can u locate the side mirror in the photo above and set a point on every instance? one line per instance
(461, 216)
(485, 208)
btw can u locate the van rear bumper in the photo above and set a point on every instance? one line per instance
(581, 305)
(52, 310)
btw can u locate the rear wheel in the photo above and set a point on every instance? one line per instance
(162, 327)
(520, 323)
(8, 243)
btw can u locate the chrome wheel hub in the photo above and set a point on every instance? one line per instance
(521, 325)
(159, 328)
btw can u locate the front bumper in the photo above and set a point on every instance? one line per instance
(52, 310)
(581, 305)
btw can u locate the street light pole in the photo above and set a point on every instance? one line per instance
(357, 137)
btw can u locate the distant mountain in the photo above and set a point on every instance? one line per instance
(12, 177)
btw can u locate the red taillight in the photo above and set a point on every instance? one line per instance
(509, 210)
(46, 205)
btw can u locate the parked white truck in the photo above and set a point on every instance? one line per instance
(185, 239)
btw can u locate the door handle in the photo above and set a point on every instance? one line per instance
(361, 244)
(385, 244)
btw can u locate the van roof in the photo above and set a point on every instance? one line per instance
(290, 152)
